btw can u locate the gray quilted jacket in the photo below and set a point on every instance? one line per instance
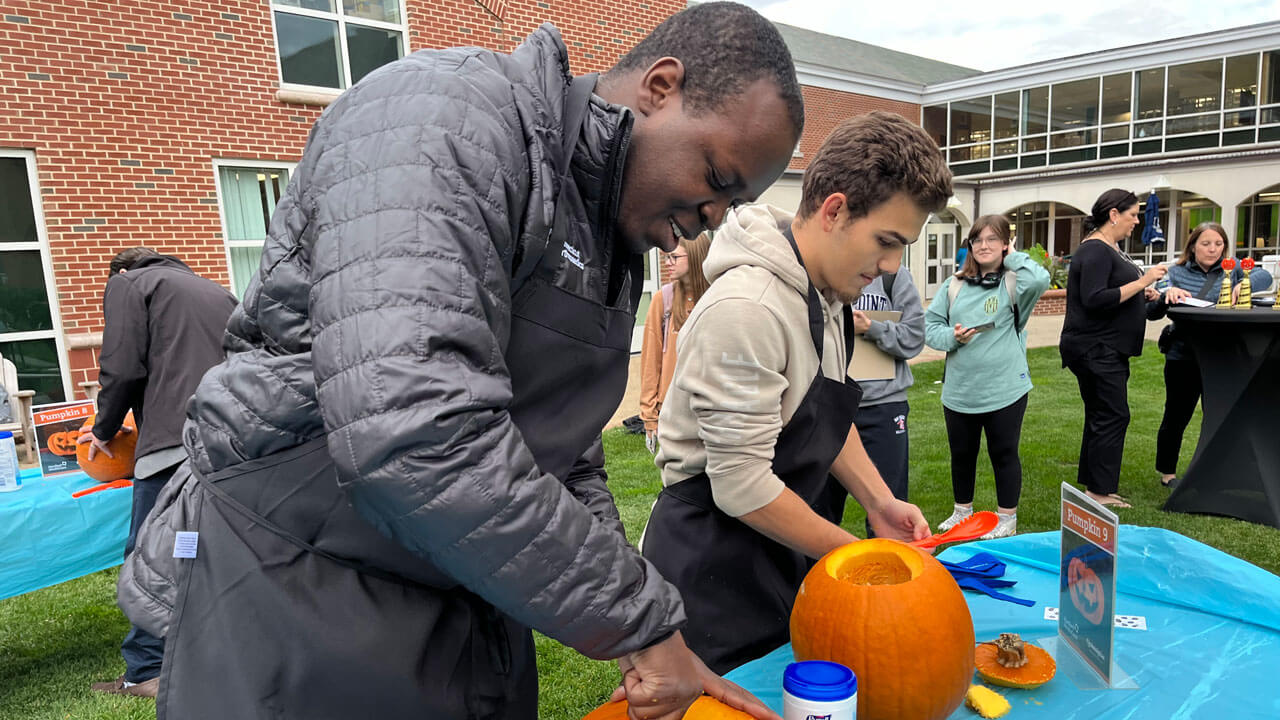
(379, 318)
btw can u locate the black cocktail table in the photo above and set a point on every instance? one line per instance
(1236, 467)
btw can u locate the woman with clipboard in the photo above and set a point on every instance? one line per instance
(978, 322)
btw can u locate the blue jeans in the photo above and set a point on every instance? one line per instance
(143, 651)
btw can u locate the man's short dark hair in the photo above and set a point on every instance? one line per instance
(870, 158)
(125, 259)
(725, 47)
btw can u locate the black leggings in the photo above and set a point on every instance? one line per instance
(1004, 431)
(1181, 393)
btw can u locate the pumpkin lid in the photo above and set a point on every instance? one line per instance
(819, 680)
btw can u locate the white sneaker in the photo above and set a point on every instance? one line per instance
(1007, 526)
(960, 514)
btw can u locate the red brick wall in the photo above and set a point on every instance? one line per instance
(1053, 302)
(824, 109)
(126, 103)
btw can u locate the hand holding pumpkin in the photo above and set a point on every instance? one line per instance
(98, 446)
(663, 680)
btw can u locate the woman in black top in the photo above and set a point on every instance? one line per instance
(1104, 327)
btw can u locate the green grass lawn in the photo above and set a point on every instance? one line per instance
(54, 642)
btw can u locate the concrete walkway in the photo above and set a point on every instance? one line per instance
(1042, 331)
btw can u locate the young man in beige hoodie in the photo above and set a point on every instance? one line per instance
(761, 409)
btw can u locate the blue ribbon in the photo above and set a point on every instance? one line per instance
(979, 574)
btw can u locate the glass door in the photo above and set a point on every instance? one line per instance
(940, 263)
(650, 290)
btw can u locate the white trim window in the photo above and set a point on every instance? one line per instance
(333, 43)
(248, 192)
(30, 324)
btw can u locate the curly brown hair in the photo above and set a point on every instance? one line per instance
(870, 158)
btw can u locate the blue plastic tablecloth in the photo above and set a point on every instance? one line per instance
(48, 537)
(1211, 650)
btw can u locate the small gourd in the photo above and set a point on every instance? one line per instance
(1010, 662)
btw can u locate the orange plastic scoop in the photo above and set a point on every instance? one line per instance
(103, 486)
(974, 526)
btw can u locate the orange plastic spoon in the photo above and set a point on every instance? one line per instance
(974, 526)
(123, 483)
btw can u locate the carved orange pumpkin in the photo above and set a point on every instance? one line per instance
(103, 468)
(62, 443)
(893, 614)
(704, 708)
(1086, 591)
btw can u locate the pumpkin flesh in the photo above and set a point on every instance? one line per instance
(894, 615)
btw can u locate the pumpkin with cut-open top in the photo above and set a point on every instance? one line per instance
(893, 614)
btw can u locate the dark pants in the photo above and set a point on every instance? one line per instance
(143, 651)
(883, 431)
(1004, 431)
(1181, 393)
(1103, 376)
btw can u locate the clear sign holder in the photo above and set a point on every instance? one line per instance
(1085, 647)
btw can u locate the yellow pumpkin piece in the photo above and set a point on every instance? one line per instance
(1009, 662)
(986, 702)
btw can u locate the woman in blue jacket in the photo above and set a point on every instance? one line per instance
(978, 321)
(1198, 273)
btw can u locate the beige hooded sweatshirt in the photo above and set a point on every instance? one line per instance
(745, 360)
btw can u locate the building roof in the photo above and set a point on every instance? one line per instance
(862, 58)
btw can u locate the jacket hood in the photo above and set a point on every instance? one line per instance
(753, 236)
(159, 261)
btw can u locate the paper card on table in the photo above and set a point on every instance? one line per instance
(1087, 600)
(1128, 622)
(57, 426)
(1195, 302)
(868, 361)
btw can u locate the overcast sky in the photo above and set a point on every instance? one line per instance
(992, 34)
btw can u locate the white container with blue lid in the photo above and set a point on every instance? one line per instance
(10, 476)
(819, 690)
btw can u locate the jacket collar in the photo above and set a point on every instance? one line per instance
(598, 160)
(601, 148)
(159, 261)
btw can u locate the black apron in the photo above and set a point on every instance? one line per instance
(297, 608)
(738, 585)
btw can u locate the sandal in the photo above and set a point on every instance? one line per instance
(1115, 501)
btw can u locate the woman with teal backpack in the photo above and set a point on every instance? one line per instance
(978, 319)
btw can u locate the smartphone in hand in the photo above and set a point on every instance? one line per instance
(983, 326)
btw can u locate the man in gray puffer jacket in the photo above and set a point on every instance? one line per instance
(396, 472)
